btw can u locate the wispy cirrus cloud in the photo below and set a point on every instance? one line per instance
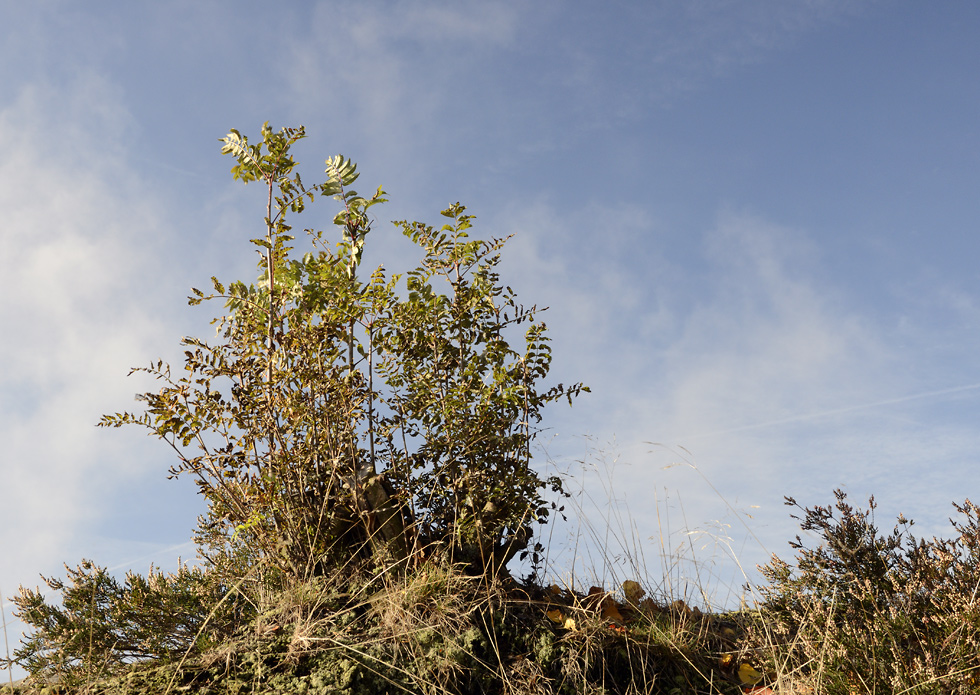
(382, 72)
(751, 364)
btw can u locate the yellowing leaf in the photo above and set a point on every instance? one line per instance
(558, 618)
(726, 660)
(633, 591)
(748, 675)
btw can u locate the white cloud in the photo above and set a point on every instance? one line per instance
(81, 271)
(390, 71)
(422, 24)
(767, 338)
(757, 370)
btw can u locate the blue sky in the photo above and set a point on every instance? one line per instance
(755, 224)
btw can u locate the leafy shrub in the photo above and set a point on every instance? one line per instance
(337, 422)
(868, 612)
(102, 624)
(340, 415)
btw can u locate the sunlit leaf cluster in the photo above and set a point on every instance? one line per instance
(338, 413)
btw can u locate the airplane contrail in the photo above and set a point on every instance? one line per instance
(836, 411)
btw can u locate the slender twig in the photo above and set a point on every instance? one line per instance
(271, 263)
(6, 644)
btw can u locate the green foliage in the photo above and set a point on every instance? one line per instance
(441, 630)
(337, 424)
(102, 624)
(462, 398)
(339, 415)
(878, 613)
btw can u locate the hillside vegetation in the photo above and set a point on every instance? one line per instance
(363, 443)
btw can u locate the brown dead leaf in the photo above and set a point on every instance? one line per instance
(610, 611)
(633, 592)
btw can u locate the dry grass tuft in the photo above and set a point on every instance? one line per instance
(861, 613)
